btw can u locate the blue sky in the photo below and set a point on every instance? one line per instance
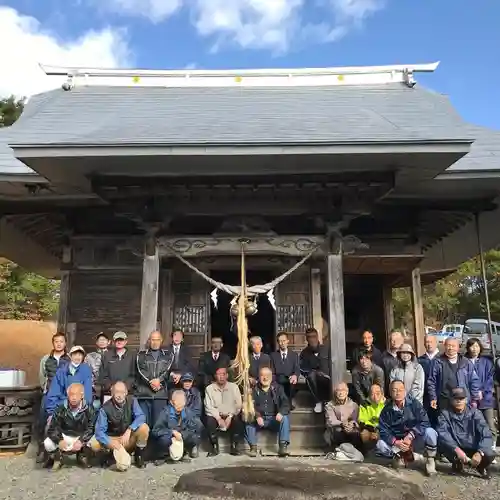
(463, 35)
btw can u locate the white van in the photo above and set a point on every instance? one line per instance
(478, 328)
(451, 330)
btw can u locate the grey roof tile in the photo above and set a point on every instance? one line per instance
(239, 115)
(9, 164)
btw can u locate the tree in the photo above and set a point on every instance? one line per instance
(457, 297)
(10, 110)
(23, 295)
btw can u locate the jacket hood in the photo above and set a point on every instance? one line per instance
(406, 348)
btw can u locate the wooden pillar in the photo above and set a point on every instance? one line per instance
(418, 311)
(388, 311)
(64, 292)
(335, 286)
(149, 299)
(317, 317)
(167, 305)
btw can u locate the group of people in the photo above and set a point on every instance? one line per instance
(155, 404)
(437, 404)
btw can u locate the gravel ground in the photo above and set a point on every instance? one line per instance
(20, 480)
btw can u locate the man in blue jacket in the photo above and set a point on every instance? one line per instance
(449, 371)
(426, 361)
(178, 430)
(404, 428)
(464, 436)
(76, 372)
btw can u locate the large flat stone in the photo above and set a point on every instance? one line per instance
(297, 481)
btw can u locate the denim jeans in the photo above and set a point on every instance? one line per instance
(270, 423)
(152, 409)
(428, 440)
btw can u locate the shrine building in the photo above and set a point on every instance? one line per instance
(118, 179)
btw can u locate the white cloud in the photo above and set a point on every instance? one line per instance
(25, 44)
(154, 10)
(260, 24)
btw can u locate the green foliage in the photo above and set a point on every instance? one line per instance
(25, 295)
(10, 110)
(457, 297)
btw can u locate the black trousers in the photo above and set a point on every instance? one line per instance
(335, 436)
(236, 429)
(319, 386)
(450, 454)
(290, 389)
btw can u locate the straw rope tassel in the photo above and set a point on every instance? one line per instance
(242, 361)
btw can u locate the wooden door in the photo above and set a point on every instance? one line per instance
(191, 308)
(293, 306)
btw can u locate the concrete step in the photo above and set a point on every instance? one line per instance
(306, 416)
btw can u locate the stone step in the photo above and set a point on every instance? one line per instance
(306, 416)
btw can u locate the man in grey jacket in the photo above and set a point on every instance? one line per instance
(410, 372)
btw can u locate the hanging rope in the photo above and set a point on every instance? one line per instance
(253, 290)
(241, 363)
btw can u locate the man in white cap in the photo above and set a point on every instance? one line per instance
(76, 372)
(178, 430)
(118, 365)
(121, 427)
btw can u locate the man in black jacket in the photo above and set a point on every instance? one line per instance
(182, 362)
(118, 365)
(285, 366)
(367, 346)
(210, 361)
(315, 366)
(153, 370)
(390, 357)
(364, 375)
(272, 408)
(258, 359)
(70, 430)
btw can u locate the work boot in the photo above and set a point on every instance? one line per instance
(234, 448)
(139, 458)
(194, 453)
(58, 461)
(83, 458)
(484, 472)
(214, 441)
(253, 450)
(283, 450)
(430, 461)
(398, 462)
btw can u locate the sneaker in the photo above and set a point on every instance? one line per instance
(430, 466)
(398, 462)
(318, 408)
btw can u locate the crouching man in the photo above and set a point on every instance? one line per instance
(464, 436)
(121, 428)
(272, 408)
(70, 430)
(405, 429)
(178, 430)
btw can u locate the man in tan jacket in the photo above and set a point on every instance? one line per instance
(223, 405)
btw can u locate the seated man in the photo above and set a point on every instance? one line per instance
(210, 361)
(368, 418)
(364, 375)
(193, 396)
(258, 359)
(272, 408)
(285, 366)
(177, 431)
(70, 430)
(341, 416)
(315, 365)
(121, 427)
(464, 436)
(222, 408)
(76, 371)
(405, 428)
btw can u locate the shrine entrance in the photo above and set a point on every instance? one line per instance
(263, 323)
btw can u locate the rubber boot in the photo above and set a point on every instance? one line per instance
(430, 461)
(83, 458)
(253, 450)
(139, 458)
(214, 441)
(283, 450)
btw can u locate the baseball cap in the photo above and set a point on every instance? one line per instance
(187, 377)
(77, 348)
(102, 334)
(458, 393)
(120, 336)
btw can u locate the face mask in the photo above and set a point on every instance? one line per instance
(75, 365)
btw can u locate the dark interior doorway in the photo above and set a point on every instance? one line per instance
(262, 324)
